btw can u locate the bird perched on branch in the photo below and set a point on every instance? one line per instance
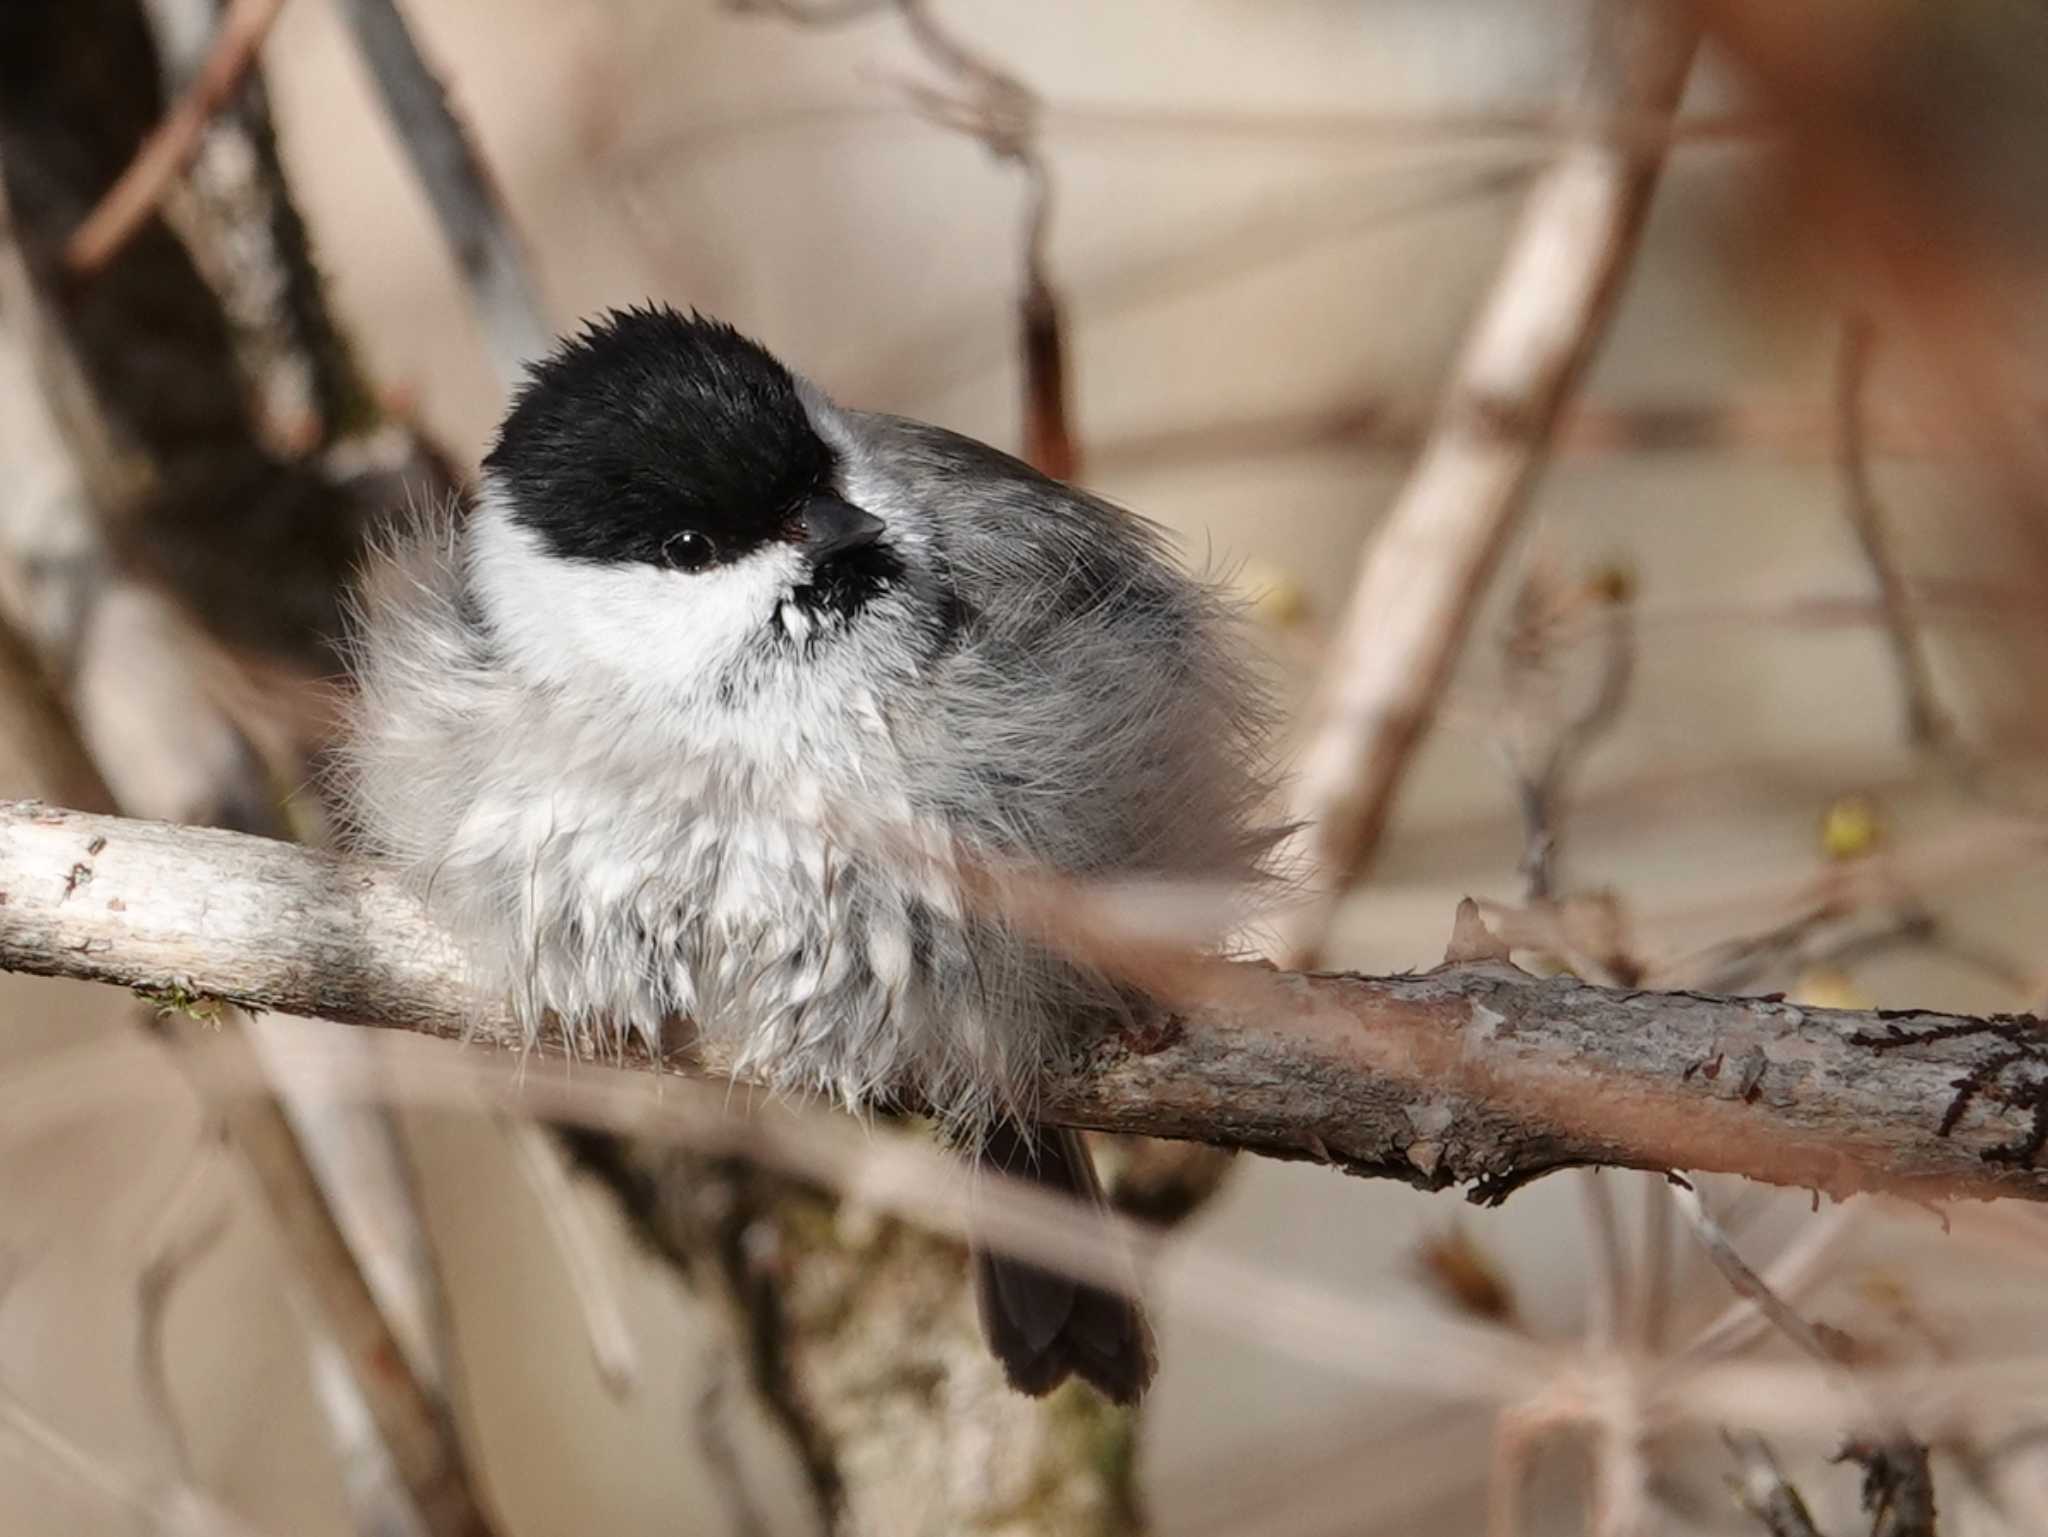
(722, 702)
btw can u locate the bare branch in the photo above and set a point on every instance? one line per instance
(1926, 726)
(1436, 549)
(1472, 1073)
(613, 1350)
(1006, 116)
(1898, 1486)
(182, 1243)
(167, 151)
(1764, 1492)
(1747, 1283)
(465, 199)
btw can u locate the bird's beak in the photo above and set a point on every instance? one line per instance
(831, 525)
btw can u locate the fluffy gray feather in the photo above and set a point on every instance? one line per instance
(638, 795)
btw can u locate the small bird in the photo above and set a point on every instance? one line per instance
(707, 709)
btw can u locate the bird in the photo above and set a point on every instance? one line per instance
(713, 705)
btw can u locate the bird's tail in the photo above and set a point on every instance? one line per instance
(1044, 1326)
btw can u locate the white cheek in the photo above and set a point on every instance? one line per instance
(642, 625)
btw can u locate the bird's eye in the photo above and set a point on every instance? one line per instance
(689, 551)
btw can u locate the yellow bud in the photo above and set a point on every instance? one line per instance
(1276, 597)
(1851, 828)
(1827, 987)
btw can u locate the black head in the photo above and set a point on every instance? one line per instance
(669, 439)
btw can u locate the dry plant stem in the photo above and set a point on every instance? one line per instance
(1621, 1478)
(610, 1338)
(155, 1507)
(1543, 793)
(1608, 1286)
(1925, 725)
(1474, 1073)
(1765, 1494)
(415, 1427)
(1438, 545)
(40, 730)
(1005, 114)
(1793, 1272)
(1898, 1487)
(171, 1258)
(167, 151)
(466, 200)
(1746, 1281)
(1788, 431)
(1653, 1312)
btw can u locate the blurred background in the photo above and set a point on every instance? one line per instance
(1763, 584)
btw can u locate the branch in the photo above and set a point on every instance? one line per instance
(466, 201)
(1434, 553)
(1475, 1073)
(129, 203)
(1765, 1493)
(1926, 726)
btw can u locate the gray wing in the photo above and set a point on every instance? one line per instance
(1099, 710)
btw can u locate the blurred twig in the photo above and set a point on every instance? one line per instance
(996, 108)
(1926, 725)
(131, 200)
(1898, 1486)
(1764, 1492)
(1543, 778)
(466, 200)
(1005, 115)
(1746, 1282)
(182, 1243)
(613, 1350)
(1436, 549)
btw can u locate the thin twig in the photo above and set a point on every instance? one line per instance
(182, 1244)
(717, 1367)
(1004, 114)
(1542, 786)
(1772, 431)
(605, 1329)
(1437, 547)
(1792, 1273)
(1747, 1283)
(415, 1425)
(1898, 1485)
(172, 1506)
(1654, 1295)
(1926, 725)
(129, 203)
(1607, 1291)
(465, 198)
(169, 1508)
(1764, 1492)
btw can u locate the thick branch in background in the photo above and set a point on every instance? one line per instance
(1475, 1074)
(1431, 557)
